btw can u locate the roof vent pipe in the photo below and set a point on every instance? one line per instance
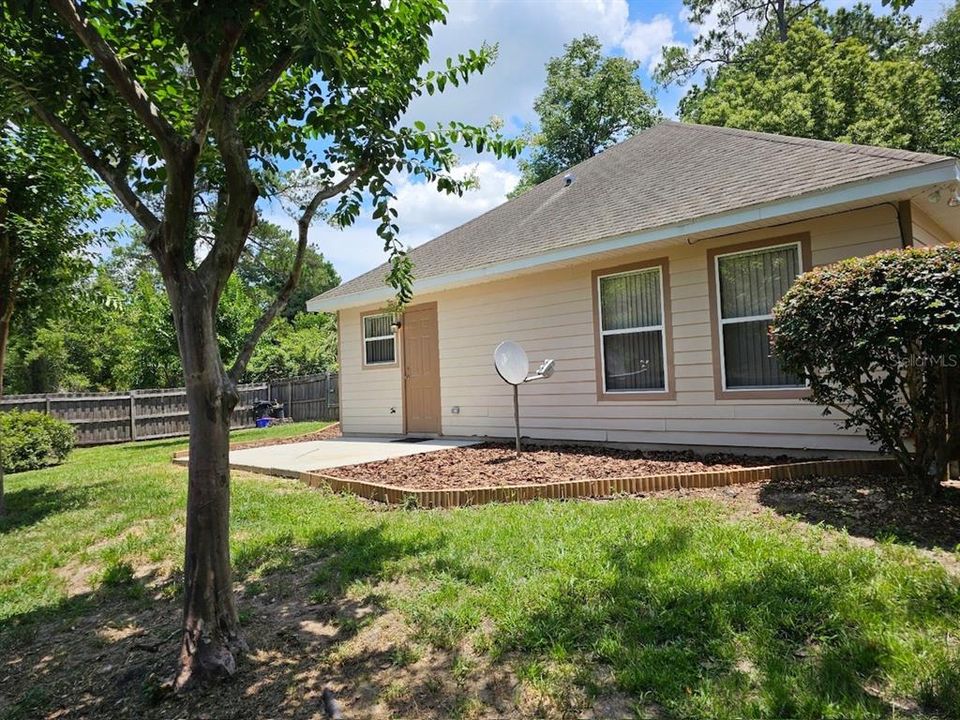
(568, 180)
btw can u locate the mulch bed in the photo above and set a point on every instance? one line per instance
(496, 465)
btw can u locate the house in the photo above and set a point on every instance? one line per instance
(648, 272)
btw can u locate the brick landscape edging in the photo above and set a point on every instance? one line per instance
(598, 488)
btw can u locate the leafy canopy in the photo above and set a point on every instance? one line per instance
(47, 208)
(235, 89)
(589, 103)
(729, 29)
(841, 78)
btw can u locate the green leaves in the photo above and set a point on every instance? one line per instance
(848, 76)
(589, 103)
(877, 338)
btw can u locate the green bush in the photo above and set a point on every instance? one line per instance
(878, 339)
(33, 440)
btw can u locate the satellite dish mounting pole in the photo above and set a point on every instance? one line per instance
(513, 367)
(516, 414)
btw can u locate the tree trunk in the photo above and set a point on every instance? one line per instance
(4, 336)
(211, 632)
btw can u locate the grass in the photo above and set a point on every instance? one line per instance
(685, 604)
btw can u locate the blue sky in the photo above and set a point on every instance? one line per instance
(528, 32)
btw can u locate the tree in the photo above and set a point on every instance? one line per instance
(264, 266)
(878, 340)
(733, 27)
(195, 105)
(46, 204)
(827, 87)
(589, 103)
(943, 55)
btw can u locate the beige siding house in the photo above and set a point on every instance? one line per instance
(648, 273)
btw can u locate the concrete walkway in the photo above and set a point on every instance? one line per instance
(293, 458)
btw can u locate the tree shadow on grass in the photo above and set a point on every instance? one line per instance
(781, 639)
(28, 506)
(310, 613)
(876, 508)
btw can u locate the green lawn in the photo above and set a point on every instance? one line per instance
(690, 607)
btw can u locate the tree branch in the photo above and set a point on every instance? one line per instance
(120, 76)
(239, 210)
(212, 82)
(125, 194)
(280, 302)
(268, 79)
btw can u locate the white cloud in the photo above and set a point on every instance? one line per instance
(644, 41)
(423, 212)
(529, 33)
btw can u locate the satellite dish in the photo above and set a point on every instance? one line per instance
(511, 362)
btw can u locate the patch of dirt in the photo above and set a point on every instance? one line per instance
(112, 659)
(875, 508)
(328, 433)
(496, 464)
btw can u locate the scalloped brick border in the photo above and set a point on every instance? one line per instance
(573, 489)
(598, 488)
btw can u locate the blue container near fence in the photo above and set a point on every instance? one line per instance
(263, 422)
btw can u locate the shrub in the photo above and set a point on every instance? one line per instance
(878, 339)
(33, 440)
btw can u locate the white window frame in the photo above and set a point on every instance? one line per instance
(391, 336)
(721, 322)
(647, 328)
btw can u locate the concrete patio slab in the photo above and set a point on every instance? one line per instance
(294, 458)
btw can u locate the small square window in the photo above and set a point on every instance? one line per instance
(379, 340)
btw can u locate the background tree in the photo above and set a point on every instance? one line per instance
(197, 104)
(732, 26)
(943, 55)
(826, 82)
(589, 103)
(46, 206)
(265, 264)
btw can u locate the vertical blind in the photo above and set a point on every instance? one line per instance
(750, 285)
(379, 342)
(631, 331)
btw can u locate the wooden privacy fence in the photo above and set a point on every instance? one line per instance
(111, 417)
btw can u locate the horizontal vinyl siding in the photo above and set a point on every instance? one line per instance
(551, 315)
(366, 394)
(926, 233)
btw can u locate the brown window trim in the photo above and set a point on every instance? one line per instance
(640, 395)
(806, 263)
(363, 345)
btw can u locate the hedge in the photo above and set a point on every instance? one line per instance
(33, 440)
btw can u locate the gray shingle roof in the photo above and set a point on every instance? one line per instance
(672, 173)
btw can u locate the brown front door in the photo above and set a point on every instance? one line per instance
(421, 369)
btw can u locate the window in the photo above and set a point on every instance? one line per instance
(632, 340)
(748, 284)
(379, 340)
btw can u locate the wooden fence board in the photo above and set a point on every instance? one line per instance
(112, 417)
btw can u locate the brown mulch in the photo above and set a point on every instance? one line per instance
(496, 464)
(328, 433)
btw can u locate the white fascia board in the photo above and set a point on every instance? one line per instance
(895, 183)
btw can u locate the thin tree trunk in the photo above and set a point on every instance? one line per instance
(211, 631)
(4, 336)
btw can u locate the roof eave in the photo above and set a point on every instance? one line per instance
(915, 178)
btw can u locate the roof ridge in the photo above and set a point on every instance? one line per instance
(920, 158)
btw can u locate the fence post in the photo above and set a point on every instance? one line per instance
(133, 416)
(46, 404)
